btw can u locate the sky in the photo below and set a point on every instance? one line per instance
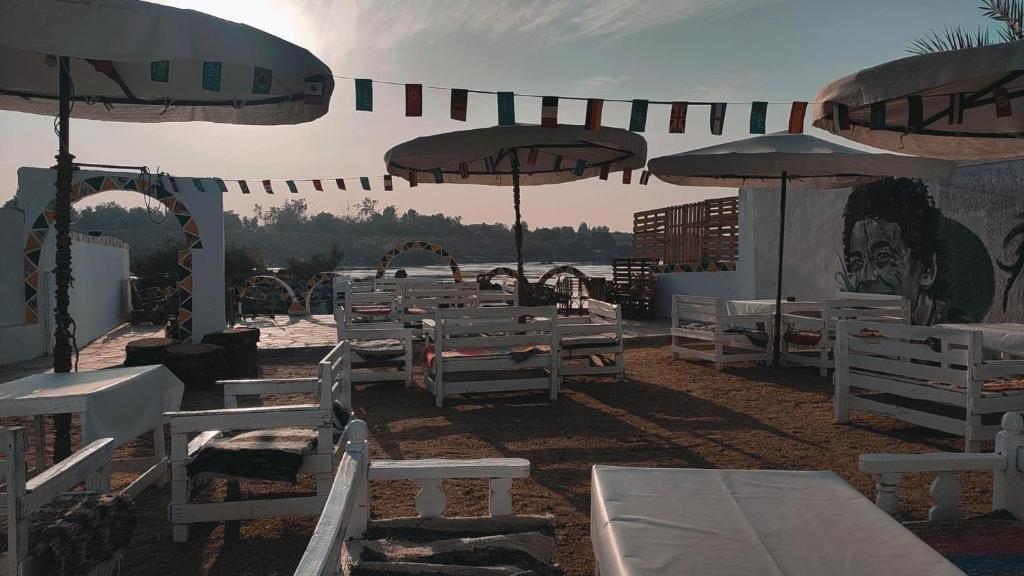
(734, 51)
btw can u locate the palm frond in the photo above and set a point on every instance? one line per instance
(949, 39)
(1009, 13)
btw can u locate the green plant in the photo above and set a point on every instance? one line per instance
(1008, 14)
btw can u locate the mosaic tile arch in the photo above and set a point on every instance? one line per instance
(83, 187)
(397, 249)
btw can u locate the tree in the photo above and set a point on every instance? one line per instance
(1007, 14)
(232, 222)
(367, 209)
(298, 270)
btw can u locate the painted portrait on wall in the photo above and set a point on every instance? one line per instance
(896, 241)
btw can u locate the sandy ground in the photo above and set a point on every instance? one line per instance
(668, 413)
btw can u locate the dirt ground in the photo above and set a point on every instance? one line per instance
(668, 413)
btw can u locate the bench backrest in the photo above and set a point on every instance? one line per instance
(497, 298)
(496, 326)
(889, 351)
(880, 308)
(432, 298)
(334, 373)
(689, 309)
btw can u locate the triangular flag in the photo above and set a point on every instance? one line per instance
(438, 176)
(796, 117)
(1001, 98)
(463, 171)
(549, 111)
(364, 94)
(460, 103)
(758, 117)
(340, 182)
(506, 108)
(413, 182)
(531, 157)
(581, 165)
(638, 116)
(267, 187)
(717, 118)
(388, 186)
(677, 118)
(605, 168)
(878, 119)
(318, 186)
(414, 99)
(364, 181)
(627, 175)
(915, 112)
(198, 184)
(243, 186)
(644, 177)
(291, 187)
(594, 108)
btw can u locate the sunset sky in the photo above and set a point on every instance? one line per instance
(728, 50)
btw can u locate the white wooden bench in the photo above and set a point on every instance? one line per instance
(346, 514)
(703, 329)
(809, 332)
(333, 383)
(922, 371)
(499, 349)
(365, 308)
(1006, 464)
(592, 345)
(372, 364)
(419, 301)
(23, 496)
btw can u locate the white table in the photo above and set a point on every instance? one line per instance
(764, 306)
(679, 522)
(118, 403)
(1001, 337)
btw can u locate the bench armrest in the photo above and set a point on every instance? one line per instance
(298, 415)
(936, 462)
(992, 369)
(64, 475)
(445, 468)
(259, 387)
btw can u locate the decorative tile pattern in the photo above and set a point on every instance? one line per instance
(499, 271)
(312, 283)
(397, 249)
(694, 267)
(557, 270)
(296, 307)
(85, 187)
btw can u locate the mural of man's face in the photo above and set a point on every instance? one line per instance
(879, 261)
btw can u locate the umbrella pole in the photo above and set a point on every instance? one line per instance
(62, 269)
(777, 332)
(518, 229)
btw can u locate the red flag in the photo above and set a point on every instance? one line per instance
(460, 102)
(388, 186)
(594, 107)
(627, 175)
(549, 111)
(340, 182)
(1002, 100)
(413, 182)
(414, 99)
(318, 186)
(267, 187)
(796, 117)
(644, 177)
(677, 120)
(531, 158)
(604, 171)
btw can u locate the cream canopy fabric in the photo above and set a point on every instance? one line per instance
(487, 152)
(262, 79)
(970, 74)
(809, 162)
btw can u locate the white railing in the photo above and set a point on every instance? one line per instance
(1006, 464)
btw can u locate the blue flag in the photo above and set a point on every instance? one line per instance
(758, 117)
(364, 95)
(506, 108)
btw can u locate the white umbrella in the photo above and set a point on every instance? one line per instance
(132, 61)
(517, 155)
(956, 104)
(786, 160)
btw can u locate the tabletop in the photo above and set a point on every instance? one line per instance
(1005, 337)
(118, 403)
(673, 521)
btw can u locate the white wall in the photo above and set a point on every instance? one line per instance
(99, 297)
(721, 284)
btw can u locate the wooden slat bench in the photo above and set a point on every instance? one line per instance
(592, 345)
(703, 329)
